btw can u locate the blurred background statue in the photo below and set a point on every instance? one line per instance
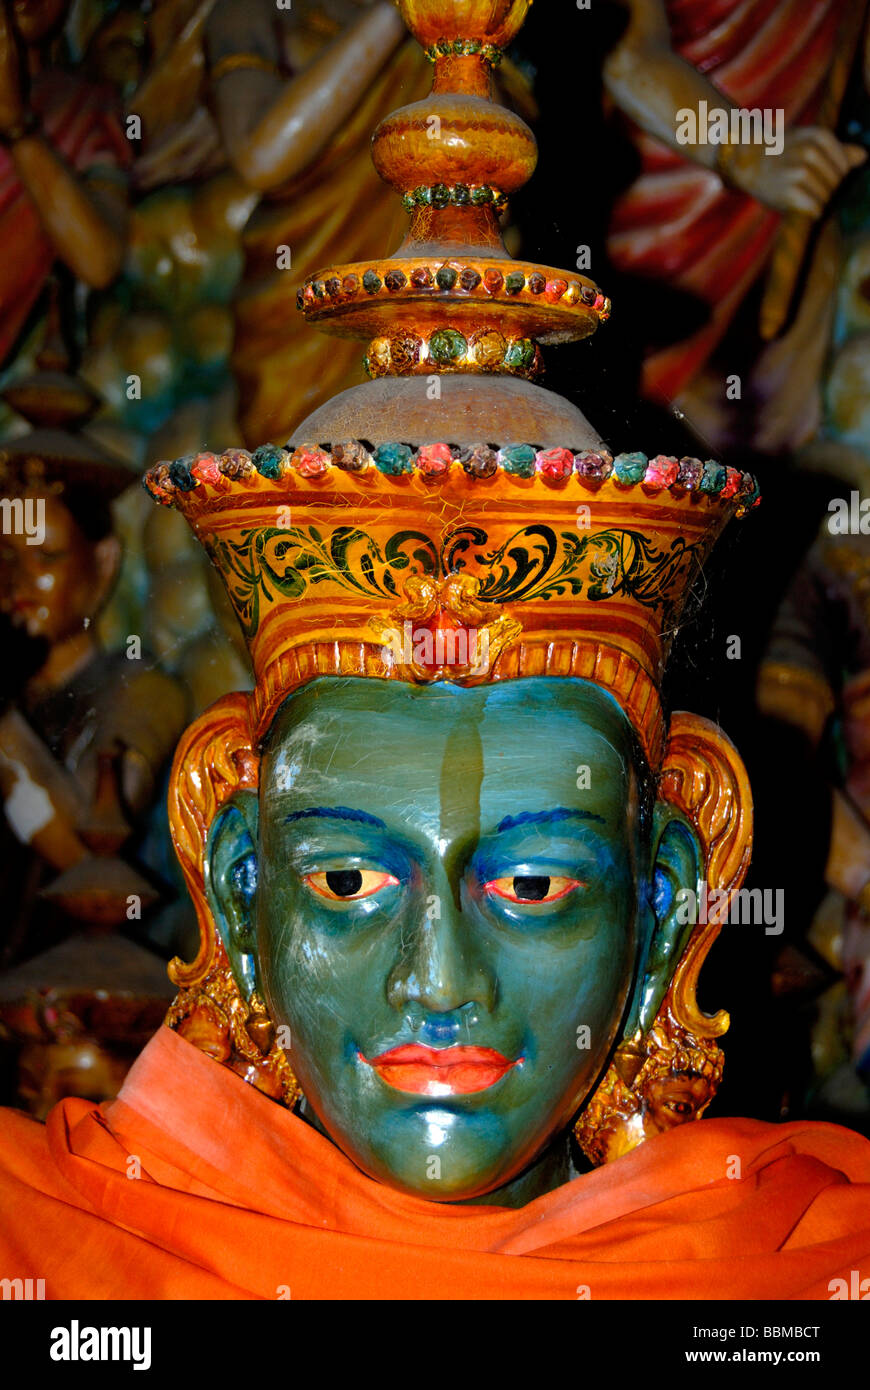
(63, 158)
(85, 736)
(718, 217)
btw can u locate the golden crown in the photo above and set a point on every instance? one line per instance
(438, 574)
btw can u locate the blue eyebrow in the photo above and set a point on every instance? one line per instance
(545, 817)
(336, 813)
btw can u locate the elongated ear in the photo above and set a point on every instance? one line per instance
(230, 879)
(703, 777)
(218, 1008)
(668, 1065)
(677, 871)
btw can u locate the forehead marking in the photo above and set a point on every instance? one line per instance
(460, 780)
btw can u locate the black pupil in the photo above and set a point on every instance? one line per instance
(532, 890)
(344, 883)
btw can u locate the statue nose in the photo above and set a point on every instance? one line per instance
(441, 970)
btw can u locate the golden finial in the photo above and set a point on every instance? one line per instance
(451, 300)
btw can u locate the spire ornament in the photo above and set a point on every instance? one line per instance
(450, 299)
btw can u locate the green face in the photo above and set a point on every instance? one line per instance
(453, 884)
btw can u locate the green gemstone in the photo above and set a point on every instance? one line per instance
(423, 195)
(630, 468)
(408, 202)
(267, 460)
(393, 458)
(714, 477)
(518, 459)
(440, 195)
(514, 282)
(447, 345)
(461, 194)
(483, 195)
(371, 282)
(520, 353)
(445, 277)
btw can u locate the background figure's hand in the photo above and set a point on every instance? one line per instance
(803, 178)
(13, 76)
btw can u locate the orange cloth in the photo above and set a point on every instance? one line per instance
(238, 1198)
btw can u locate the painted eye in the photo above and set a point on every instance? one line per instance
(349, 885)
(532, 888)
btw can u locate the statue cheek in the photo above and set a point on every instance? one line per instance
(304, 965)
(576, 1023)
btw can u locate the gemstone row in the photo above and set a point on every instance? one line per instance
(448, 278)
(461, 195)
(464, 48)
(448, 349)
(434, 462)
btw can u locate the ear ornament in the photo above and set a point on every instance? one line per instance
(669, 1074)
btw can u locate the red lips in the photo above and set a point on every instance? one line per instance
(440, 1071)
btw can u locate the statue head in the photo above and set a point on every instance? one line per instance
(444, 883)
(57, 568)
(441, 855)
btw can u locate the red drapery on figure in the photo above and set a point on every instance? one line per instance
(78, 122)
(677, 222)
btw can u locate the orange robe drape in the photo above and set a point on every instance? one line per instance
(236, 1198)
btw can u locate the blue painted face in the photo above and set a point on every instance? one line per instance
(452, 887)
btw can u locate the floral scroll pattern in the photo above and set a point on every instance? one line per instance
(535, 563)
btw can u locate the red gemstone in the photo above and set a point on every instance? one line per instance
(554, 463)
(733, 480)
(662, 471)
(308, 294)
(493, 281)
(554, 290)
(350, 284)
(206, 468)
(155, 479)
(434, 459)
(310, 463)
(421, 277)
